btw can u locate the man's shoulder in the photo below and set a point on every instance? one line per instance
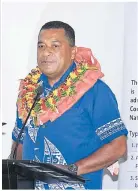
(99, 87)
(102, 84)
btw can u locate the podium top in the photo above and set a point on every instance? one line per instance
(39, 171)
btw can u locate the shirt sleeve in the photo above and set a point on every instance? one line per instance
(17, 129)
(106, 119)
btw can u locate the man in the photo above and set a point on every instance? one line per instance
(76, 123)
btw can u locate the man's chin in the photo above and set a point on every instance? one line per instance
(47, 72)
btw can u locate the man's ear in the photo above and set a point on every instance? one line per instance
(74, 50)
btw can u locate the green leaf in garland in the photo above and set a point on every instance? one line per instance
(47, 104)
(56, 98)
(72, 88)
(63, 94)
(37, 107)
(35, 92)
(75, 79)
(35, 120)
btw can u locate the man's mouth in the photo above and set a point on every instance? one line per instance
(48, 61)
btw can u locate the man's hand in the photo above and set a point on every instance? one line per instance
(19, 150)
(103, 157)
(64, 167)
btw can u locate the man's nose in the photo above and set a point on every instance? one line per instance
(48, 51)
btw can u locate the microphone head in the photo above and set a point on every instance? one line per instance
(3, 123)
(39, 90)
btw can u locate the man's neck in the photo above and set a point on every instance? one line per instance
(53, 81)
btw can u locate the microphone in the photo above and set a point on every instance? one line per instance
(3, 123)
(39, 91)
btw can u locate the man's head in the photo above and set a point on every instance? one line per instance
(56, 48)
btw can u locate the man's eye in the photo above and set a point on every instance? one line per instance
(55, 46)
(40, 46)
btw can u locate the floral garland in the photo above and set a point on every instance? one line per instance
(30, 84)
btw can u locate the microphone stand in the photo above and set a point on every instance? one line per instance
(14, 153)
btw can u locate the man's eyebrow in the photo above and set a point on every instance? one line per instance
(56, 41)
(39, 42)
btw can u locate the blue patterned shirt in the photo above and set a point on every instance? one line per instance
(93, 121)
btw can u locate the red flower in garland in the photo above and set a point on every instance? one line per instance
(64, 87)
(43, 106)
(54, 101)
(59, 92)
(76, 72)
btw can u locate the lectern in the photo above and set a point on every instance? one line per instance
(21, 174)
